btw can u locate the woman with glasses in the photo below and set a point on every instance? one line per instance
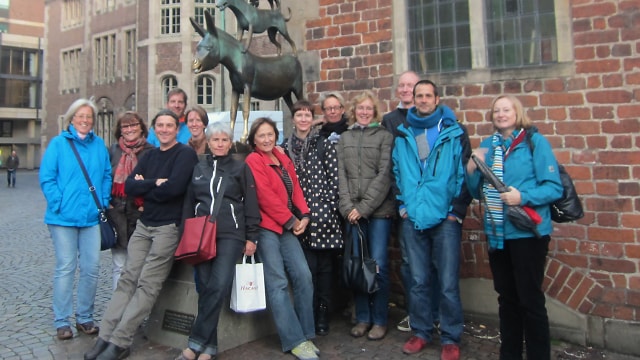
(131, 134)
(72, 215)
(364, 173)
(334, 121)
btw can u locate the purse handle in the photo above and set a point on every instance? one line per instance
(92, 189)
(364, 248)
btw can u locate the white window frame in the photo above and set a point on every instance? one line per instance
(104, 58)
(167, 82)
(206, 90)
(70, 70)
(200, 7)
(170, 17)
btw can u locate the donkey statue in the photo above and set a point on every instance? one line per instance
(258, 21)
(264, 78)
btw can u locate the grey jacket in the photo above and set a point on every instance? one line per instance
(364, 168)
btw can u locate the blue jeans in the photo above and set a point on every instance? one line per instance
(374, 308)
(11, 177)
(407, 280)
(282, 256)
(75, 247)
(437, 247)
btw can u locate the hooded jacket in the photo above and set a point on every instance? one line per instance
(239, 216)
(431, 192)
(69, 202)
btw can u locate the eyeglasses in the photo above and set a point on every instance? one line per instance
(83, 117)
(332, 108)
(124, 127)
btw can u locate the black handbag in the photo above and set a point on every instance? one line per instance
(108, 232)
(359, 271)
(568, 207)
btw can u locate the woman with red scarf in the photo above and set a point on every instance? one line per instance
(131, 133)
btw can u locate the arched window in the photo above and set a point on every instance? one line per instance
(205, 90)
(168, 83)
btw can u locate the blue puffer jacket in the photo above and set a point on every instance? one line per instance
(536, 177)
(69, 202)
(428, 194)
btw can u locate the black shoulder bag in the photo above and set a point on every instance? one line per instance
(108, 232)
(359, 271)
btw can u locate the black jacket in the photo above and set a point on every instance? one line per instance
(239, 214)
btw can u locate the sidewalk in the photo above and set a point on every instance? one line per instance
(26, 330)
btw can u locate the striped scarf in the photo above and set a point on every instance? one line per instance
(494, 207)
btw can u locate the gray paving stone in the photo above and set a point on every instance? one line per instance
(26, 325)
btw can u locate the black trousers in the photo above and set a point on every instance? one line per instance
(214, 279)
(321, 266)
(518, 272)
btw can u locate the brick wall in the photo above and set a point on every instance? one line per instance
(590, 117)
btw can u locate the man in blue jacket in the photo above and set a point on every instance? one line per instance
(177, 103)
(429, 158)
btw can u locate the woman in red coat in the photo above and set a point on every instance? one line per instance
(285, 215)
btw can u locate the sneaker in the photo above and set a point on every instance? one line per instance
(304, 352)
(414, 345)
(404, 324)
(450, 352)
(313, 347)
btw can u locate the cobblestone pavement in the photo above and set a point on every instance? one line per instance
(26, 321)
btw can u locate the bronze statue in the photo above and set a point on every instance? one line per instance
(258, 21)
(256, 3)
(264, 78)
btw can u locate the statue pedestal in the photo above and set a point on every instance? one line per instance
(176, 308)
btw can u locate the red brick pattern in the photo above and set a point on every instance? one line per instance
(590, 117)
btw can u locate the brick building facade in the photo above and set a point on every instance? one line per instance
(586, 101)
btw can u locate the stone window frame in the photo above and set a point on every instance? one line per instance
(129, 60)
(167, 82)
(105, 54)
(70, 70)
(480, 70)
(72, 14)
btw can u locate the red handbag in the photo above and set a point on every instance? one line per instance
(198, 241)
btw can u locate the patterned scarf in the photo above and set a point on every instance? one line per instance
(127, 163)
(494, 207)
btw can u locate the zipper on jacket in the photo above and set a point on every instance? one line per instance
(211, 184)
(233, 214)
(435, 164)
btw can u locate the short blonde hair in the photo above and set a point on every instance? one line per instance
(522, 120)
(366, 95)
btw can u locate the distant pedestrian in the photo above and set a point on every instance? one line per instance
(72, 215)
(12, 164)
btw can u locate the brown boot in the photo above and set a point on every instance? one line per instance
(360, 329)
(377, 332)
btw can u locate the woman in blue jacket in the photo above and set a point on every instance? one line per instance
(517, 257)
(72, 215)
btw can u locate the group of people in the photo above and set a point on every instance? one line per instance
(352, 175)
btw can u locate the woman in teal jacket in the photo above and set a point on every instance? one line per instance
(525, 163)
(72, 215)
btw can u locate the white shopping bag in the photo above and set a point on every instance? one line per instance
(247, 293)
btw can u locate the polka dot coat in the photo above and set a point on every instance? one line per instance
(316, 164)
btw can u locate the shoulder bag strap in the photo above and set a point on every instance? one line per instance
(92, 189)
